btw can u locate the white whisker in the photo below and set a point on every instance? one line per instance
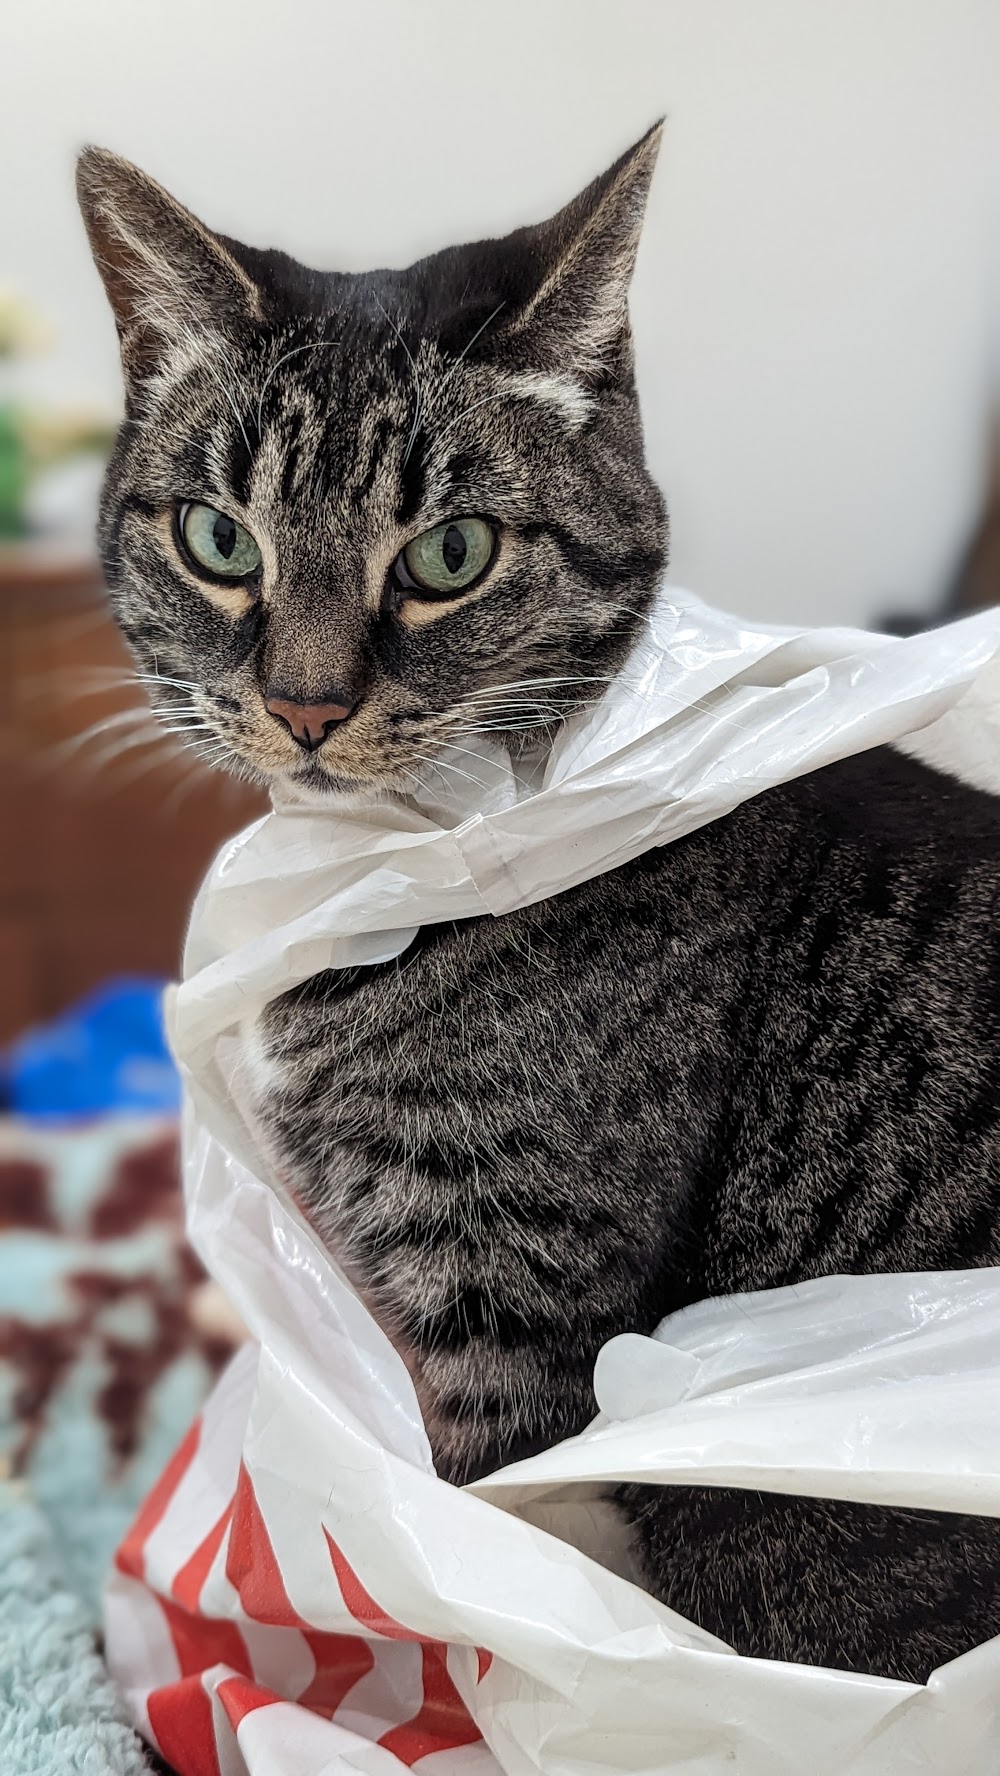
(523, 684)
(311, 345)
(123, 719)
(439, 764)
(486, 401)
(164, 755)
(184, 684)
(467, 348)
(416, 383)
(186, 784)
(73, 683)
(117, 748)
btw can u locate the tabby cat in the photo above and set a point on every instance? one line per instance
(353, 519)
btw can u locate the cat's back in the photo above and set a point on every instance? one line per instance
(890, 804)
(863, 1130)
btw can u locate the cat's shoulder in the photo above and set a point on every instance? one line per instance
(890, 799)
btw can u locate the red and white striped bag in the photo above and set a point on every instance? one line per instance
(238, 1625)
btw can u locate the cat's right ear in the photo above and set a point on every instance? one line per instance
(576, 317)
(168, 278)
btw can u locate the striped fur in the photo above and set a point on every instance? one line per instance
(762, 1054)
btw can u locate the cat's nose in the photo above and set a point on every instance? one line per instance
(309, 723)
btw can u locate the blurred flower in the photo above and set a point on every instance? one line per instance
(15, 477)
(51, 438)
(32, 440)
(22, 330)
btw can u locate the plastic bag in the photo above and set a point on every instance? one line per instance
(301, 1593)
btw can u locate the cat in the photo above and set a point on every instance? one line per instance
(351, 519)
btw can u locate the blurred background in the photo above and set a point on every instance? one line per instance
(817, 315)
(816, 309)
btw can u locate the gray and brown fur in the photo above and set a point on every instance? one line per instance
(764, 1053)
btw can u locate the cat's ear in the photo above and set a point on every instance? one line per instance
(576, 319)
(168, 278)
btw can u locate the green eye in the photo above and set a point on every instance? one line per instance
(446, 560)
(217, 543)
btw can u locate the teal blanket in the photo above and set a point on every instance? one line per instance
(105, 1357)
(59, 1711)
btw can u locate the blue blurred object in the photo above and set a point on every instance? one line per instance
(106, 1054)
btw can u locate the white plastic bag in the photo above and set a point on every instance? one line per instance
(301, 1593)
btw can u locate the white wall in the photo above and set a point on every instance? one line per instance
(812, 302)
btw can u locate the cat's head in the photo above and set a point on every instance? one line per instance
(353, 519)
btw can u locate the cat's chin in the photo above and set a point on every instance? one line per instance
(313, 787)
(314, 779)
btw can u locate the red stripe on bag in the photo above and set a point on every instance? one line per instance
(180, 1715)
(203, 1641)
(443, 1722)
(252, 1568)
(192, 1575)
(251, 1564)
(342, 1660)
(130, 1557)
(239, 1698)
(360, 1602)
(485, 1661)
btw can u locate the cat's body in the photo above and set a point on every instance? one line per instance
(764, 1053)
(339, 535)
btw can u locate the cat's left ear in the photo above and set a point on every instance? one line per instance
(167, 276)
(576, 318)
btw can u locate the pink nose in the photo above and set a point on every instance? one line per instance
(309, 723)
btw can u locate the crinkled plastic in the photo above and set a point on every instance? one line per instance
(301, 1594)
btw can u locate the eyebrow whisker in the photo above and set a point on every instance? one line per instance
(418, 410)
(311, 345)
(468, 347)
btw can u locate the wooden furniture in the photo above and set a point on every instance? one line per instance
(103, 838)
